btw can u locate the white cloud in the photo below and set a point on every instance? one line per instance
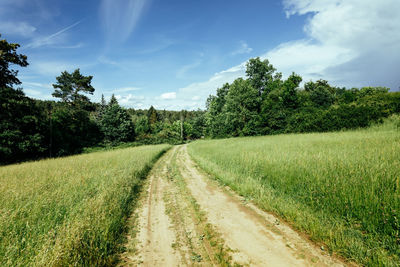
(119, 17)
(130, 100)
(32, 92)
(348, 42)
(168, 96)
(243, 49)
(17, 28)
(50, 39)
(183, 70)
(124, 89)
(38, 90)
(52, 68)
(37, 85)
(307, 58)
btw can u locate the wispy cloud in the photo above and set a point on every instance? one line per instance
(160, 45)
(124, 89)
(183, 70)
(131, 100)
(168, 96)
(38, 85)
(52, 68)
(51, 39)
(243, 49)
(75, 46)
(119, 17)
(38, 90)
(17, 28)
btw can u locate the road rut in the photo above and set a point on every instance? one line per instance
(186, 219)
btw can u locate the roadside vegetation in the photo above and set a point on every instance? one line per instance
(70, 211)
(341, 188)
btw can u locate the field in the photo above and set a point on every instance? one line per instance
(70, 211)
(342, 189)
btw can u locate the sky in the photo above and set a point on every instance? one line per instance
(173, 54)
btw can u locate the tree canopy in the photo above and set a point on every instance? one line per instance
(70, 86)
(9, 56)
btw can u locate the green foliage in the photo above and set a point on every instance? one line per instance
(321, 94)
(69, 87)
(260, 75)
(113, 101)
(9, 55)
(241, 108)
(266, 104)
(22, 122)
(72, 130)
(142, 126)
(152, 116)
(116, 125)
(289, 91)
(23, 127)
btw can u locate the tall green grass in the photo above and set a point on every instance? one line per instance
(70, 211)
(340, 188)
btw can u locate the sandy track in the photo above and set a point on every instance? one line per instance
(186, 219)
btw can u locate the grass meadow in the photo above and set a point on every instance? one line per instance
(72, 210)
(342, 189)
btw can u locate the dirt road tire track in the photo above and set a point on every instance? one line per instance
(186, 219)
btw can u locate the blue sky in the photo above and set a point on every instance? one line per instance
(173, 54)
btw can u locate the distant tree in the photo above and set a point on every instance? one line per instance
(214, 119)
(152, 117)
(100, 109)
(289, 92)
(260, 74)
(70, 86)
(142, 126)
(242, 104)
(8, 56)
(116, 125)
(113, 100)
(103, 102)
(321, 93)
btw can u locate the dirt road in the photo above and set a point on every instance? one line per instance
(184, 218)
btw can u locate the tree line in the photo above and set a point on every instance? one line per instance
(32, 128)
(263, 103)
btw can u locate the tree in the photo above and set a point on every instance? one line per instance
(116, 125)
(289, 93)
(113, 100)
(73, 128)
(22, 122)
(242, 105)
(215, 118)
(23, 127)
(260, 74)
(70, 86)
(9, 55)
(152, 117)
(321, 93)
(142, 126)
(103, 102)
